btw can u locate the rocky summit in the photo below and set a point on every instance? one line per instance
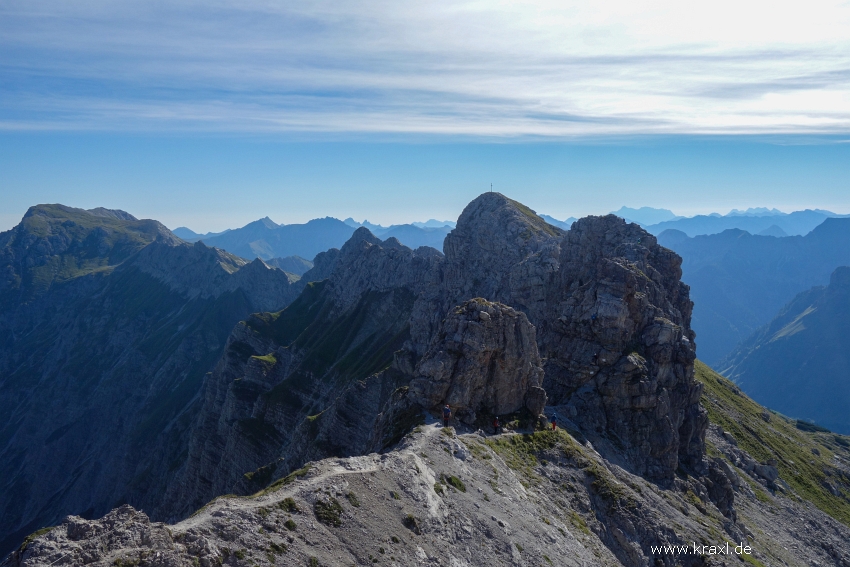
(319, 420)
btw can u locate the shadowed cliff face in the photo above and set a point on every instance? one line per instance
(107, 327)
(301, 384)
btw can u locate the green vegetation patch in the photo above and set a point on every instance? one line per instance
(612, 492)
(780, 438)
(262, 476)
(267, 359)
(289, 505)
(31, 538)
(454, 482)
(288, 479)
(520, 452)
(353, 500)
(328, 511)
(579, 522)
(537, 222)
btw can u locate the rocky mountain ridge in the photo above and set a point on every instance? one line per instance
(603, 302)
(594, 322)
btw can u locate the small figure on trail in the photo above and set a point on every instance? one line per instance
(497, 426)
(554, 422)
(447, 414)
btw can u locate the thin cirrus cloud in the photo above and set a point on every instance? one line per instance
(500, 69)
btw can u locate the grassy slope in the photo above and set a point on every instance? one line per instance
(331, 345)
(780, 439)
(537, 223)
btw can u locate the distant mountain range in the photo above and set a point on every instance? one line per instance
(291, 264)
(268, 240)
(646, 216)
(799, 363)
(770, 223)
(189, 235)
(739, 281)
(564, 224)
(761, 220)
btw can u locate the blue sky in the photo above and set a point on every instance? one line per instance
(212, 114)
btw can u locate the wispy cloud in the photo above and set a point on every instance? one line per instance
(549, 69)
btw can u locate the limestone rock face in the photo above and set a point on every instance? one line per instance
(484, 359)
(618, 345)
(500, 251)
(367, 264)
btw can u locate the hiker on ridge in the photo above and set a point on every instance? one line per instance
(447, 414)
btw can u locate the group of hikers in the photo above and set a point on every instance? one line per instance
(497, 424)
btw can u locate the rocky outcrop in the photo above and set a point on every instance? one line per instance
(612, 319)
(483, 362)
(501, 251)
(618, 346)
